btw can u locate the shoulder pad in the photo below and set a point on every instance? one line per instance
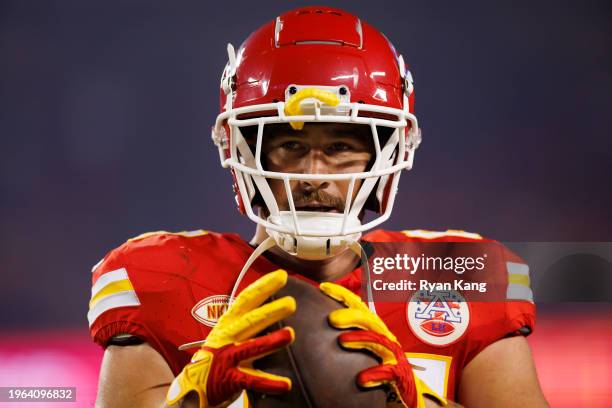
(451, 233)
(113, 287)
(161, 250)
(187, 234)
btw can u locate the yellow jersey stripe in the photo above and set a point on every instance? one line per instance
(108, 277)
(110, 289)
(519, 279)
(518, 282)
(116, 300)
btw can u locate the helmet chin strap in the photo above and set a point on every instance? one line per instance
(261, 248)
(357, 248)
(269, 242)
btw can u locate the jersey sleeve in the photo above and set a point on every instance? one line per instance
(143, 289)
(519, 305)
(512, 316)
(114, 305)
(511, 310)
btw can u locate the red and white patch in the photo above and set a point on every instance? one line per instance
(209, 310)
(438, 318)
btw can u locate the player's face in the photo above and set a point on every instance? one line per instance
(319, 148)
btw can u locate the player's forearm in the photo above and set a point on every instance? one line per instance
(139, 399)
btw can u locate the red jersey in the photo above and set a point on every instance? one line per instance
(169, 289)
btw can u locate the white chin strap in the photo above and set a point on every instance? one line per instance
(269, 242)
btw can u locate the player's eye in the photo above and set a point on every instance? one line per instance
(292, 145)
(340, 147)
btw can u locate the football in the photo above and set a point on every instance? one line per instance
(322, 373)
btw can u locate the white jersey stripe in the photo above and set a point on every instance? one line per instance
(515, 268)
(519, 292)
(120, 299)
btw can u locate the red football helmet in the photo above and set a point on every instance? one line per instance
(316, 64)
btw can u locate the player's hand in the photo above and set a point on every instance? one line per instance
(222, 368)
(374, 336)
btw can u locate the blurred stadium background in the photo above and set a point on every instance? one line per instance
(105, 111)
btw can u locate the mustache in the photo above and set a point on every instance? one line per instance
(303, 199)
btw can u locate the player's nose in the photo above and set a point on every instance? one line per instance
(314, 162)
(308, 186)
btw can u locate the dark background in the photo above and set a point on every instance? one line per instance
(106, 108)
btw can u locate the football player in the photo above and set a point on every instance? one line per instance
(316, 125)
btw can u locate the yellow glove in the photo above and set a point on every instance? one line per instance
(222, 368)
(374, 336)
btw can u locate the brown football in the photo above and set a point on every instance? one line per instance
(322, 373)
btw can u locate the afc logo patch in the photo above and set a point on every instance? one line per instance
(438, 318)
(209, 310)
